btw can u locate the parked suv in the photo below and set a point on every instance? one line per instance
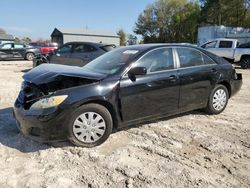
(45, 47)
(79, 53)
(17, 50)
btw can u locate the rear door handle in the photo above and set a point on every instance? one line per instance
(214, 70)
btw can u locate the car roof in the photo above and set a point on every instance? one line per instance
(143, 47)
(90, 43)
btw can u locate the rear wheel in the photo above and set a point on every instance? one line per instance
(29, 56)
(245, 63)
(218, 100)
(90, 125)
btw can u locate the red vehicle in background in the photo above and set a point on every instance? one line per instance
(45, 47)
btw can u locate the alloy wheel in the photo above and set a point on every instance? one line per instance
(245, 64)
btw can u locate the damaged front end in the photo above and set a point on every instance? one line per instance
(39, 107)
(31, 93)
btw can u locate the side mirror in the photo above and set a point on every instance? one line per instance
(136, 71)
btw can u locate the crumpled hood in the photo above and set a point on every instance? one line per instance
(49, 72)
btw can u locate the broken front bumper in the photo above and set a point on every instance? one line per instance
(42, 125)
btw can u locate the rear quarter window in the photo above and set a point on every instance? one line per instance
(108, 48)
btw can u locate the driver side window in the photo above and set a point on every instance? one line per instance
(157, 60)
(7, 46)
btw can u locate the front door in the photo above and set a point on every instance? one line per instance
(155, 93)
(6, 51)
(62, 55)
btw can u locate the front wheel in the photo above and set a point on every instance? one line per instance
(90, 125)
(245, 63)
(218, 100)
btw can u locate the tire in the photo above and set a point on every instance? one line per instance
(221, 93)
(29, 56)
(84, 131)
(245, 63)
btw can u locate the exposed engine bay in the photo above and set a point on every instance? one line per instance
(31, 93)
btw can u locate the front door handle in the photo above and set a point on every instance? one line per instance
(172, 78)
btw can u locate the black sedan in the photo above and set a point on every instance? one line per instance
(18, 51)
(123, 87)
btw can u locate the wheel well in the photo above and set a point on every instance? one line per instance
(227, 85)
(29, 53)
(244, 56)
(110, 109)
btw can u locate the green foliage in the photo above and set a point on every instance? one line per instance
(233, 13)
(26, 40)
(17, 40)
(132, 39)
(169, 21)
(178, 20)
(122, 35)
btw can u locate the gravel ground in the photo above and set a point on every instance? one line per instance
(189, 150)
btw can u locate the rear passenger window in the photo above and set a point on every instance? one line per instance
(89, 48)
(79, 48)
(18, 46)
(157, 60)
(225, 44)
(189, 57)
(207, 60)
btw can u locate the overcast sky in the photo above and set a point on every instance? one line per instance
(37, 18)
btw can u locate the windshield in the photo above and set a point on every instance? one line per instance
(112, 61)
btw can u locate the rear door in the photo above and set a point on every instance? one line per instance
(62, 55)
(6, 51)
(155, 93)
(19, 51)
(197, 73)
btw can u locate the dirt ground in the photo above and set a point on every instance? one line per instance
(189, 150)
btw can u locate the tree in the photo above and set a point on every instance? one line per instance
(233, 13)
(146, 25)
(132, 39)
(122, 36)
(169, 21)
(26, 40)
(17, 40)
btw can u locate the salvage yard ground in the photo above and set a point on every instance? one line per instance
(189, 150)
